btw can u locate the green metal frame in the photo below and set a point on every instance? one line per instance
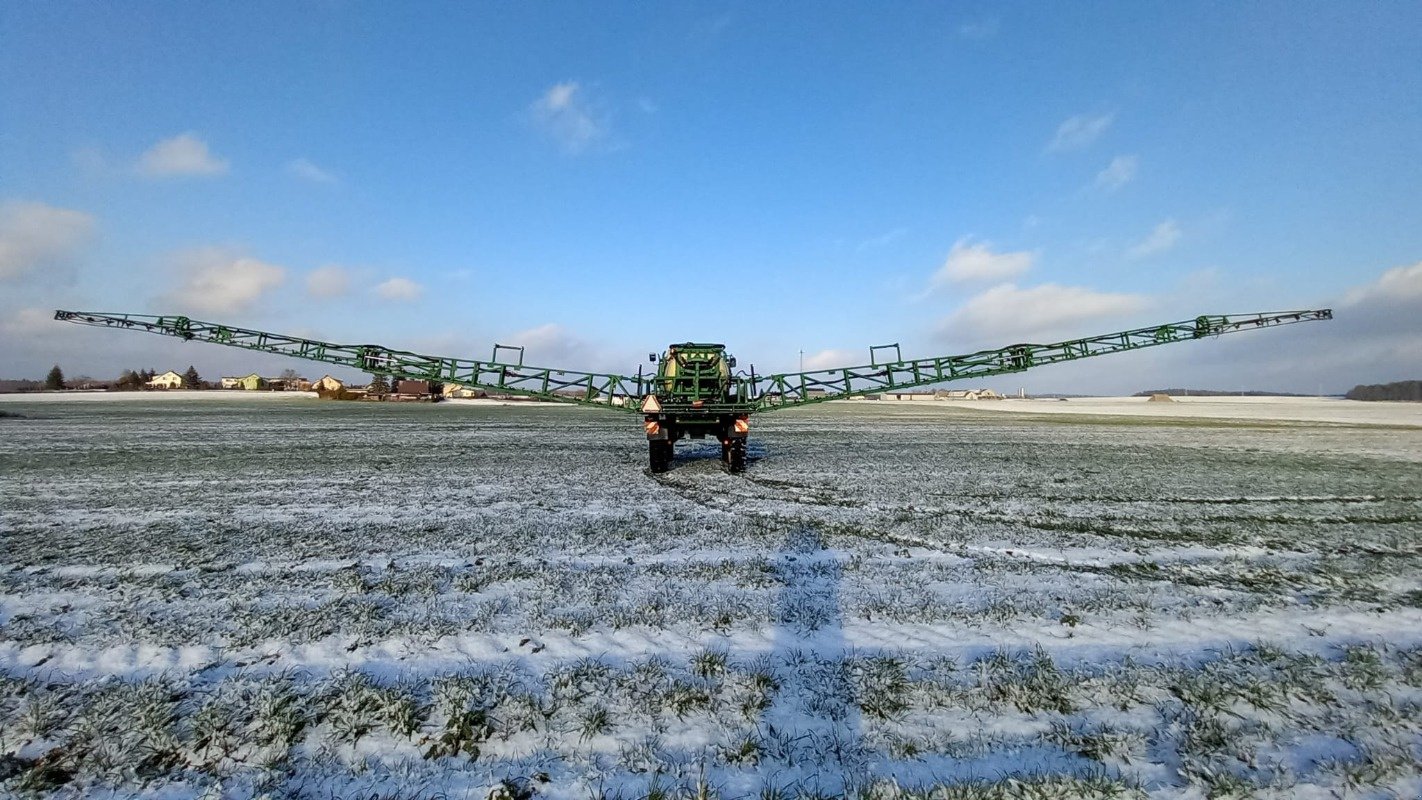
(803, 388)
(565, 386)
(759, 393)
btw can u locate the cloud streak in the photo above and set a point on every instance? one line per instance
(399, 290)
(881, 240)
(565, 114)
(35, 235)
(329, 281)
(1162, 237)
(307, 171)
(1121, 171)
(1007, 311)
(1078, 132)
(829, 359)
(979, 29)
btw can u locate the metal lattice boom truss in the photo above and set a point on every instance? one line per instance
(753, 393)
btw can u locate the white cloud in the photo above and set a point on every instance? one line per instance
(1373, 338)
(25, 323)
(331, 280)
(553, 345)
(829, 359)
(565, 115)
(34, 235)
(184, 154)
(1397, 286)
(1079, 132)
(1121, 171)
(399, 289)
(969, 261)
(1161, 238)
(307, 171)
(1008, 312)
(217, 280)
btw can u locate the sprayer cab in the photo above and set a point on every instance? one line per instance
(695, 394)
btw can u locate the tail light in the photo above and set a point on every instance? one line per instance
(742, 426)
(653, 427)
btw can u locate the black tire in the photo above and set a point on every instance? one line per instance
(726, 451)
(659, 453)
(737, 461)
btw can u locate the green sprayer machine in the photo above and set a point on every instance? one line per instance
(696, 390)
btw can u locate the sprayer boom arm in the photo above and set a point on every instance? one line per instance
(745, 394)
(789, 390)
(565, 386)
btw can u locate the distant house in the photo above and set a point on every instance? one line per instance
(970, 394)
(250, 383)
(168, 380)
(461, 392)
(297, 384)
(327, 384)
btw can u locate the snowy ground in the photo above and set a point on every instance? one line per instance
(1275, 409)
(312, 599)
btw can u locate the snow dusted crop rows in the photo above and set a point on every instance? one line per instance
(308, 599)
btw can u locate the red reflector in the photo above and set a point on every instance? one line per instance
(698, 403)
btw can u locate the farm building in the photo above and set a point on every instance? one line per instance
(461, 392)
(412, 389)
(971, 394)
(250, 383)
(168, 380)
(327, 384)
(297, 384)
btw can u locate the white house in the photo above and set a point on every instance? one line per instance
(168, 380)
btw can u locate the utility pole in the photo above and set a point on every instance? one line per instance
(802, 360)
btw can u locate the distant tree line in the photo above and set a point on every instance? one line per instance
(130, 380)
(1215, 393)
(133, 380)
(1410, 391)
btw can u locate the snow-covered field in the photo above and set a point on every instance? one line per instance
(309, 599)
(1274, 409)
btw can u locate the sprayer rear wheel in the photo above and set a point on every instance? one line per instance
(736, 459)
(659, 453)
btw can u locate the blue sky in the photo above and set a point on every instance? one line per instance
(596, 180)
